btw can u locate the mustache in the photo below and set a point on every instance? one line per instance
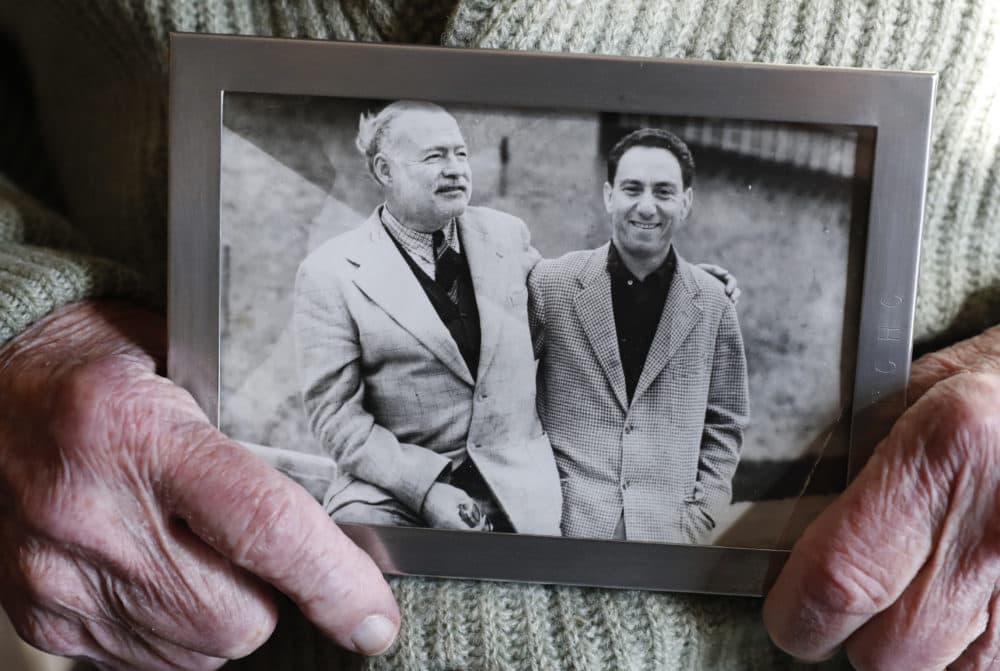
(448, 186)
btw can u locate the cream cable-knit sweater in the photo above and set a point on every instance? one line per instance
(82, 126)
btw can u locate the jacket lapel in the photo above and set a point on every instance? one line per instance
(597, 317)
(680, 313)
(489, 282)
(387, 280)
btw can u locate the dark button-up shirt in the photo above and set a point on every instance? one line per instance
(638, 305)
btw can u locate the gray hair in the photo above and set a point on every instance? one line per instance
(373, 129)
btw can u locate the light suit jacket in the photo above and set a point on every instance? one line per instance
(667, 460)
(387, 391)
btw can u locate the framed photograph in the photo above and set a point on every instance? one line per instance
(551, 318)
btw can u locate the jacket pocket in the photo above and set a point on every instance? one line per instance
(687, 367)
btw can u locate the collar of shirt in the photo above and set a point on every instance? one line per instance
(417, 244)
(658, 278)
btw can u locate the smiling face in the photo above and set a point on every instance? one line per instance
(424, 169)
(647, 202)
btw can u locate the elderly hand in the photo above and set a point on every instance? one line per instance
(133, 533)
(904, 568)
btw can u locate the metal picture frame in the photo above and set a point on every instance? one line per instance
(893, 110)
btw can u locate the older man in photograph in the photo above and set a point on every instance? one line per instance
(642, 378)
(413, 346)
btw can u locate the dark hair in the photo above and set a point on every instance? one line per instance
(653, 137)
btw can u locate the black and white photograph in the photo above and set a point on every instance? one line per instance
(582, 324)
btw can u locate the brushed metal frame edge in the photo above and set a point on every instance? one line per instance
(897, 105)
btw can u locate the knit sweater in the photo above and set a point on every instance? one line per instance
(82, 130)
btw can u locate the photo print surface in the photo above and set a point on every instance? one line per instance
(657, 350)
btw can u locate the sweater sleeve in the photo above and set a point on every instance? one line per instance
(44, 264)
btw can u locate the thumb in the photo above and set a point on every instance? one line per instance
(268, 525)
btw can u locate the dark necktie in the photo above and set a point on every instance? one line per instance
(437, 237)
(447, 262)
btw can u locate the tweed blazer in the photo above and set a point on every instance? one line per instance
(387, 391)
(666, 460)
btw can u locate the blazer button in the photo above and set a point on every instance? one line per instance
(628, 428)
(483, 396)
(624, 485)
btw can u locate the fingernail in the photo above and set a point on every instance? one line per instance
(374, 635)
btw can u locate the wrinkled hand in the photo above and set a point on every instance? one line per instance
(444, 506)
(136, 535)
(728, 280)
(905, 566)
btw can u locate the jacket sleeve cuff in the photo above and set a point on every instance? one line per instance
(426, 468)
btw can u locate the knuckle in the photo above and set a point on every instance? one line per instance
(102, 399)
(48, 580)
(37, 573)
(964, 423)
(50, 634)
(231, 627)
(970, 402)
(940, 364)
(844, 584)
(43, 511)
(79, 395)
(82, 422)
